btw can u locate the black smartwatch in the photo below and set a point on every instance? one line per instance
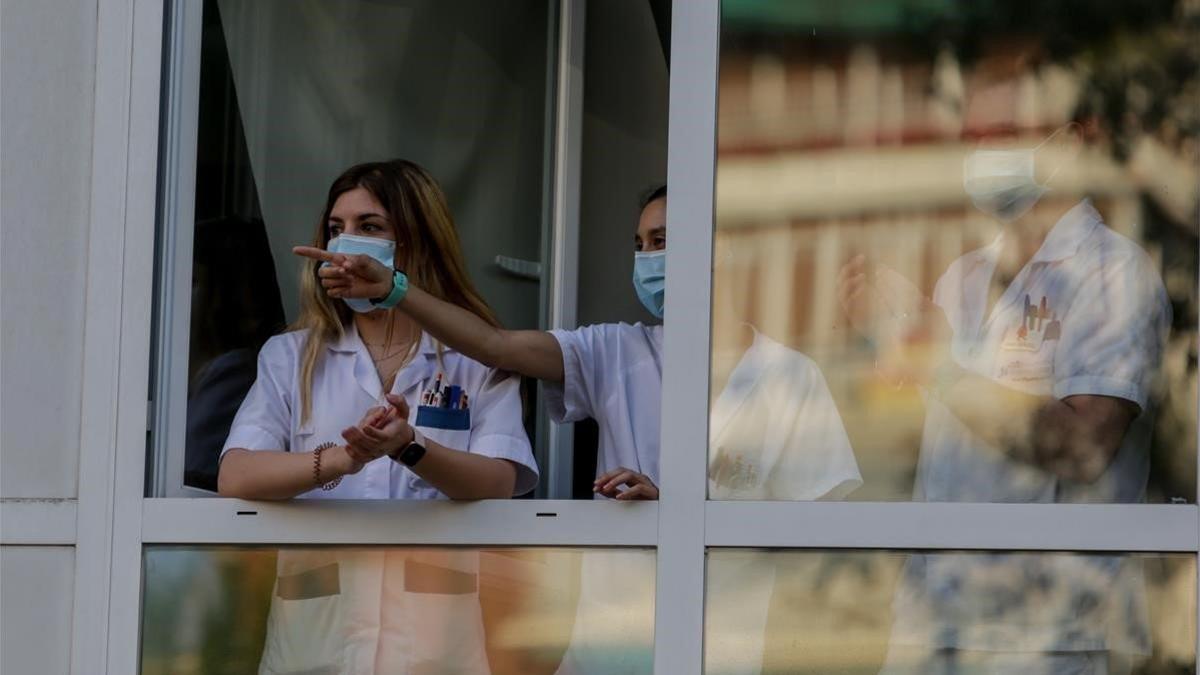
(412, 453)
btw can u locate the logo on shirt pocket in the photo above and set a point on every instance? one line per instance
(444, 406)
(733, 472)
(1039, 324)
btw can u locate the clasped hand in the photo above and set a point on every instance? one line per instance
(382, 431)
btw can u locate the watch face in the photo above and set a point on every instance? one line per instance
(412, 454)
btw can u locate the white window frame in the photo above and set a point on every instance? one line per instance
(114, 521)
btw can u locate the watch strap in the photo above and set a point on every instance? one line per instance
(412, 453)
(399, 290)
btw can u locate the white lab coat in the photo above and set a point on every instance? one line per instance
(775, 413)
(366, 611)
(1105, 322)
(612, 373)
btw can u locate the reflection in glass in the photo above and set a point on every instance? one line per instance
(391, 610)
(977, 220)
(775, 430)
(851, 613)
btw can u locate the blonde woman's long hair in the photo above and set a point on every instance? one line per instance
(427, 249)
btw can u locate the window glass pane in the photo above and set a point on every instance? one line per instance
(391, 610)
(291, 94)
(294, 93)
(955, 251)
(855, 612)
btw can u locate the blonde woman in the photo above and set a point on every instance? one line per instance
(356, 402)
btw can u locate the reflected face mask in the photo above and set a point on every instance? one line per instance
(650, 279)
(383, 250)
(1001, 182)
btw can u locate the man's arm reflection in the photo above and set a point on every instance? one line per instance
(1074, 437)
(1050, 363)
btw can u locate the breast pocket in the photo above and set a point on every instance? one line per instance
(445, 419)
(1031, 371)
(449, 427)
(1026, 356)
(447, 632)
(305, 632)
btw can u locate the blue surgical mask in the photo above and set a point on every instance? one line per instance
(383, 250)
(650, 279)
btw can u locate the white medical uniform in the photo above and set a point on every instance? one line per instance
(371, 611)
(1087, 315)
(775, 415)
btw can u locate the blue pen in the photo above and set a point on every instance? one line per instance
(455, 394)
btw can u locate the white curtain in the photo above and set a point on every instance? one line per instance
(459, 86)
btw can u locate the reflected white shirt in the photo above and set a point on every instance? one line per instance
(777, 425)
(1107, 320)
(1087, 315)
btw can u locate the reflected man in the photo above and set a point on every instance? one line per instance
(1038, 355)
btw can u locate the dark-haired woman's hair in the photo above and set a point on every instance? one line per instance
(651, 195)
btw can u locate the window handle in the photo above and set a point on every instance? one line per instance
(530, 270)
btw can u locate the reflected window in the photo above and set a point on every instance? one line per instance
(979, 243)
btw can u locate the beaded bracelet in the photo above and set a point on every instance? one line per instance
(317, 468)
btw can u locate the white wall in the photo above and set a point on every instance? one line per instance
(36, 589)
(47, 71)
(47, 66)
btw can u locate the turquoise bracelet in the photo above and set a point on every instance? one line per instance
(399, 290)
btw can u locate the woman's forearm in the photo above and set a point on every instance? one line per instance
(532, 353)
(275, 474)
(454, 326)
(279, 475)
(462, 475)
